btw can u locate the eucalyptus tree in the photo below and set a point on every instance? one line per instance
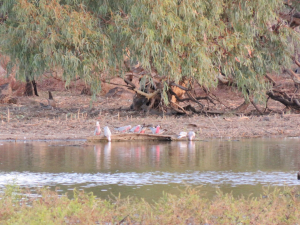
(196, 40)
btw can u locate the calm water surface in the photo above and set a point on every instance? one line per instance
(148, 169)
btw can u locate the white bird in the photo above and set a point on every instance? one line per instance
(123, 129)
(135, 129)
(182, 134)
(155, 130)
(191, 135)
(107, 133)
(97, 129)
(161, 131)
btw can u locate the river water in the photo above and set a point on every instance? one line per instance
(148, 169)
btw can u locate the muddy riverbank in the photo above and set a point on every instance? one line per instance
(74, 118)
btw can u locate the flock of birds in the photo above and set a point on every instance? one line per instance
(140, 130)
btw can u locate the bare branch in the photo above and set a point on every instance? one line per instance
(116, 84)
(242, 107)
(189, 99)
(148, 96)
(194, 100)
(150, 105)
(260, 112)
(132, 74)
(296, 61)
(296, 102)
(294, 76)
(266, 104)
(181, 87)
(270, 79)
(129, 82)
(280, 99)
(180, 108)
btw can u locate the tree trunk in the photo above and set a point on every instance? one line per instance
(34, 87)
(28, 88)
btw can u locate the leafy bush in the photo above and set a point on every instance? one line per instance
(190, 207)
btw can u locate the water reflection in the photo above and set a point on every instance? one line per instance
(157, 166)
(97, 152)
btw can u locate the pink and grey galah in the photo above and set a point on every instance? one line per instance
(155, 130)
(97, 129)
(191, 135)
(107, 133)
(143, 130)
(123, 129)
(135, 129)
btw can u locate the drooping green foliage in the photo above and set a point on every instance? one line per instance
(176, 37)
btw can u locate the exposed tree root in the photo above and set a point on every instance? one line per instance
(285, 99)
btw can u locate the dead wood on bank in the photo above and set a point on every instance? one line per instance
(188, 97)
(131, 137)
(137, 137)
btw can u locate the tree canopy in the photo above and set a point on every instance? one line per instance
(177, 38)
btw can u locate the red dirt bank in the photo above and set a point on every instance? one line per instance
(75, 116)
(75, 119)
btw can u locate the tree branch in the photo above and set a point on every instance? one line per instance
(296, 102)
(189, 99)
(270, 79)
(296, 61)
(148, 96)
(294, 76)
(181, 87)
(179, 107)
(280, 99)
(116, 84)
(255, 106)
(194, 100)
(129, 82)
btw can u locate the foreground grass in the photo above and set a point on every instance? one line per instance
(273, 207)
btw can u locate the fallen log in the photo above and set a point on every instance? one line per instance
(130, 137)
(136, 137)
(286, 100)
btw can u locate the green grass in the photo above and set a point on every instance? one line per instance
(190, 207)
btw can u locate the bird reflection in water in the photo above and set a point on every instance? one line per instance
(107, 155)
(97, 152)
(191, 153)
(182, 145)
(191, 146)
(155, 151)
(139, 152)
